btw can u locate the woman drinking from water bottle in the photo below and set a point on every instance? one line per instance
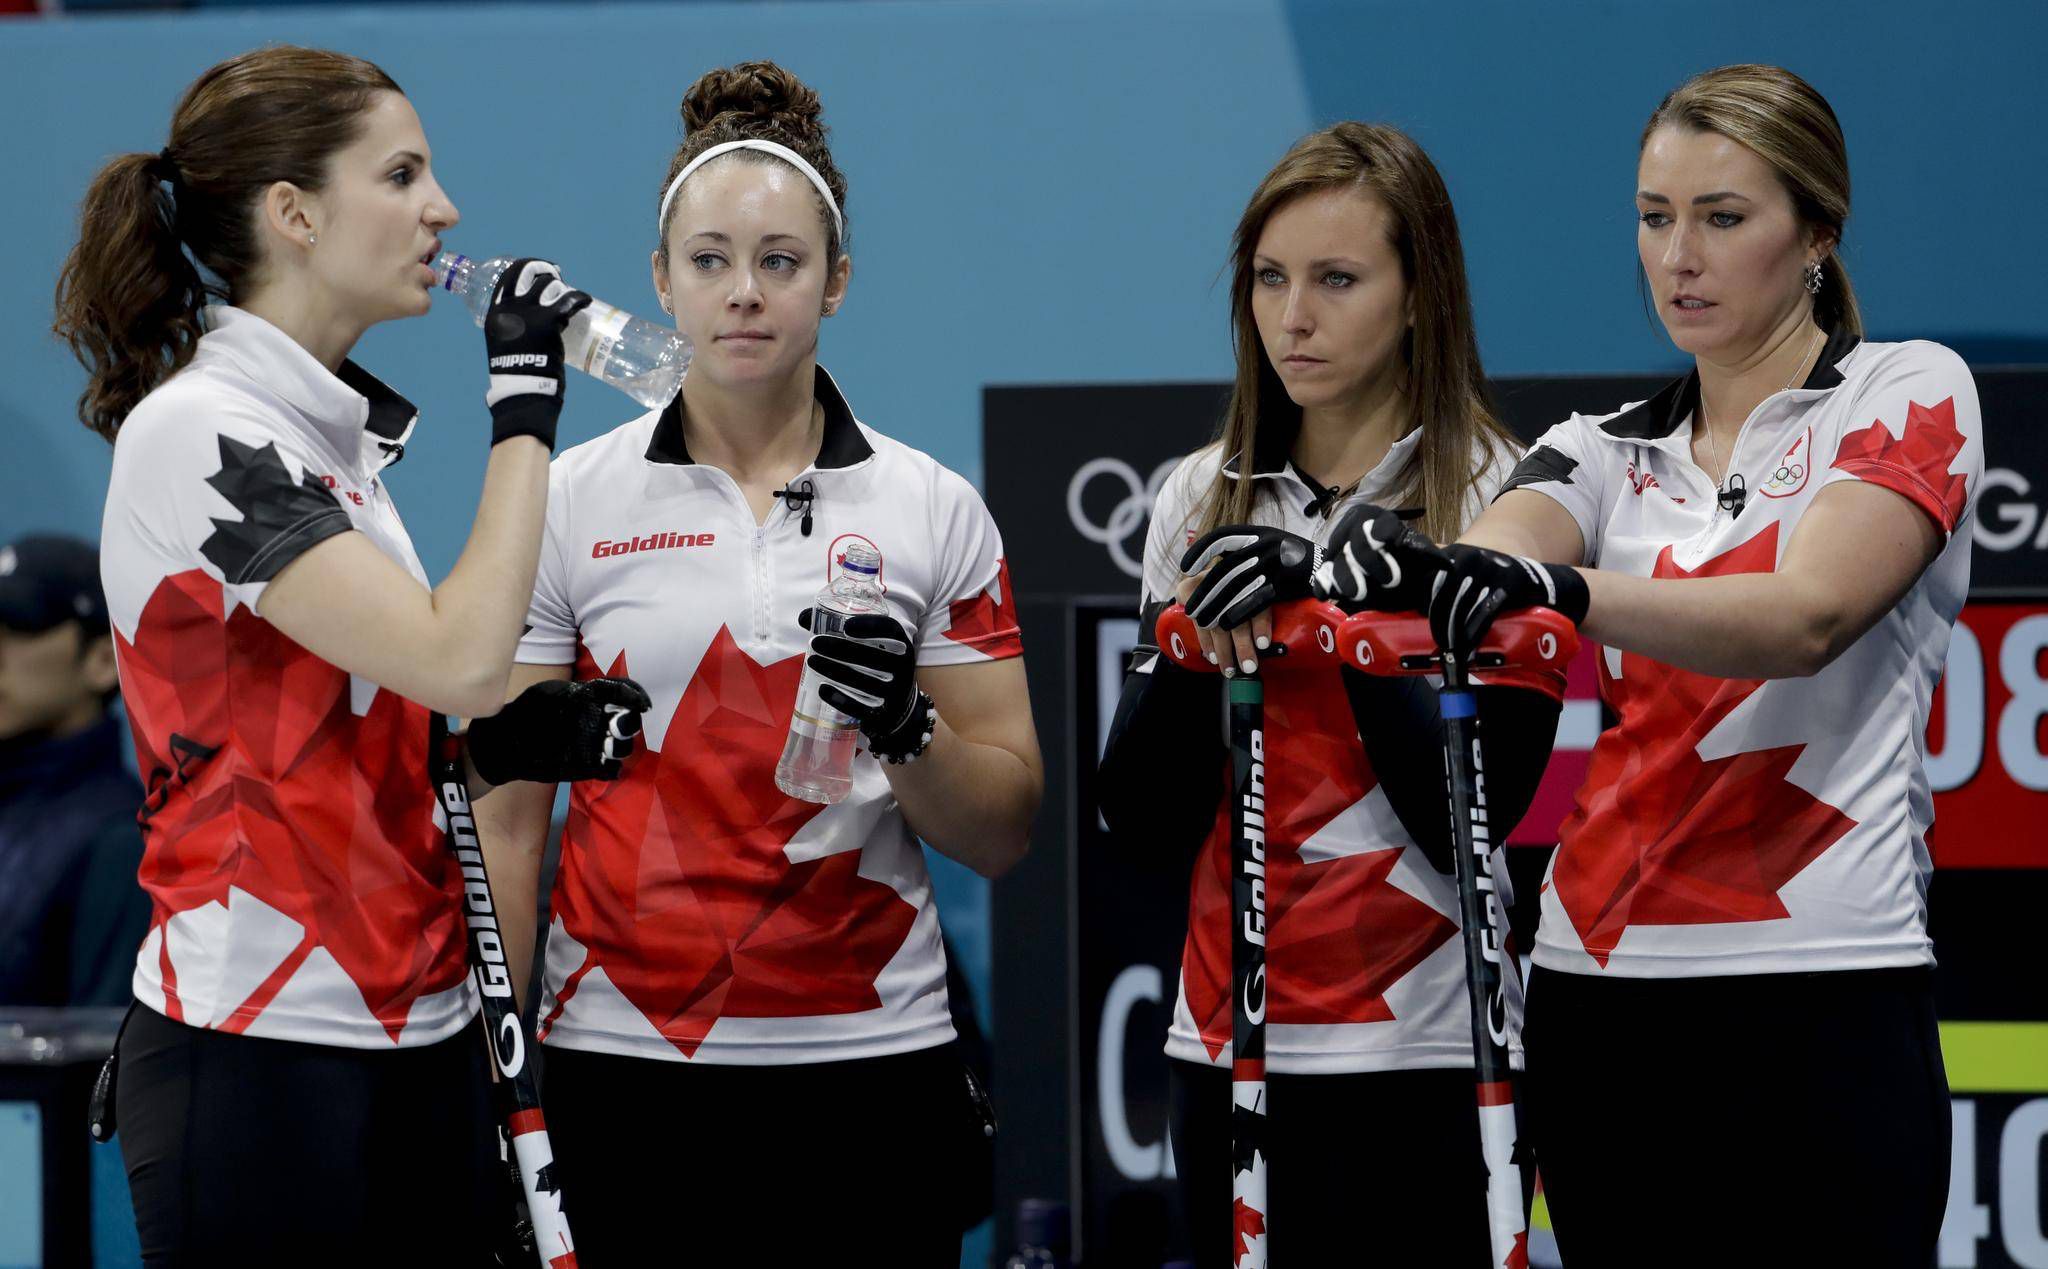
(749, 1054)
(297, 1083)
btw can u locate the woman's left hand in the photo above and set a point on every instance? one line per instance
(1250, 568)
(870, 665)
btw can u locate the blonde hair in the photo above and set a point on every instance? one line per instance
(1787, 123)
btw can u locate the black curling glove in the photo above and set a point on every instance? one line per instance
(870, 668)
(530, 308)
(1377, 561)
(1251, 568)
(1481, 584)
(560, 730)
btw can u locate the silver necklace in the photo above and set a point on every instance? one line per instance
(1713, 447)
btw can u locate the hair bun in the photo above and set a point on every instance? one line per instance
(764, 96)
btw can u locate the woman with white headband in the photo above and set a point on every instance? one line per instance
(745, 1007)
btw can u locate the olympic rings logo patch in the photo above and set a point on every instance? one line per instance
(1790, 475)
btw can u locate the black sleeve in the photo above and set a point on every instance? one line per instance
(281, 518)
(1399, 722)
(1161, 773)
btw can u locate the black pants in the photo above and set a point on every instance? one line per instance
(1374, 1169)
(827, 1163)
(247, 1151)
(1768, 1120)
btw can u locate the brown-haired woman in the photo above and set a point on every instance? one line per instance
(1733, 973)
(1358, 382)
(299, 1079)
(750, 1055)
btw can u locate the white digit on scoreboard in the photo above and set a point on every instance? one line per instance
(2019, 723)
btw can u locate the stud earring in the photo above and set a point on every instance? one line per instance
(311, 239)
(1813, 278)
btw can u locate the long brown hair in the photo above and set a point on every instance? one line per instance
(1787, 123)
(758, 101)
(1440, 352)
(128, 297)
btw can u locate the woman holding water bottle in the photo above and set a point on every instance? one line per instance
(298, 1082)
(749, 1051)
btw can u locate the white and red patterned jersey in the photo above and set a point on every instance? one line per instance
(1364, 967)
(301, 890)
(700, 913)
(1743, 826)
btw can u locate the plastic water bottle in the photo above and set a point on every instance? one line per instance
(817, 761)
(639, 358)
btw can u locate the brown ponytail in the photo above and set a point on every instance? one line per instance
(127, 299)
(128, 296)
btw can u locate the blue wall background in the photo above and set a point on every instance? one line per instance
(1043, 190)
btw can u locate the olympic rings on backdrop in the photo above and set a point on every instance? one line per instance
(1129, 514)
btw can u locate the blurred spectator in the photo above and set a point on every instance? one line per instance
(71, 911)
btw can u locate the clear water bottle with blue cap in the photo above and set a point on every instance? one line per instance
(645, 361)
(817, 760)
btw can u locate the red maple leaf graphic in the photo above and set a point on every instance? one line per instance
(1660, 837)
(1518, 1256)
(1916, 465)
(1247, 1222)
(1342, 935)
(675, 876)
(988, 623)
(321, 813)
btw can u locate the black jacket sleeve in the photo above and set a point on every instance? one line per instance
(1399, 721)
(1161, 774)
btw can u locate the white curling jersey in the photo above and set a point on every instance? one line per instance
(700, 913)
(1742, 826)
(299, 886)
(1364, 967)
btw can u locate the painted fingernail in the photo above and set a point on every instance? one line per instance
(1263, 642)
(1211, 656)
(1249, 666)
(1229, 673)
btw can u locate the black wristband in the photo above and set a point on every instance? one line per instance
(535, 417)
(1573, 599)
(912, 736)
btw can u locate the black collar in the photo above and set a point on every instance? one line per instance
(391, 416)
(1660, 416)
(843, 446)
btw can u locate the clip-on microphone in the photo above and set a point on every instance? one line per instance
(1733, 494)
(799, 499)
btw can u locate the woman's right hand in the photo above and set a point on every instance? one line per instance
(523, 339)
(1377, 561)
(1230, 579)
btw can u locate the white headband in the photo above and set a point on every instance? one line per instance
(782, 152)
